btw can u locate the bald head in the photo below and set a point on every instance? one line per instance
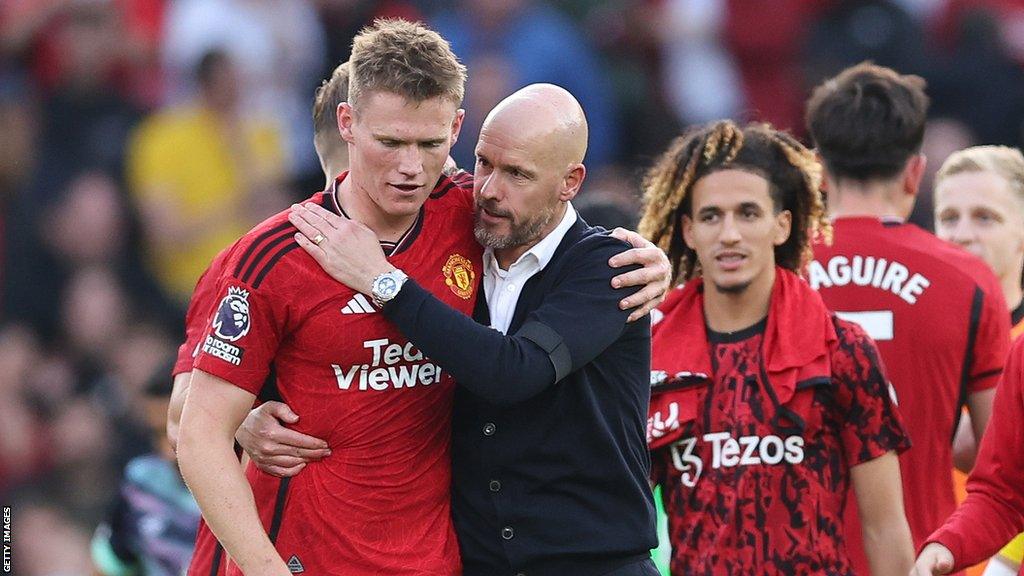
(546, 117)
(529, 166)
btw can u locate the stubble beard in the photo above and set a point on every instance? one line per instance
(733, 289)
(520, 234)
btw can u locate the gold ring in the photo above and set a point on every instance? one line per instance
(318, 239)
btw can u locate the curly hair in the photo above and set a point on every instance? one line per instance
(792, 171)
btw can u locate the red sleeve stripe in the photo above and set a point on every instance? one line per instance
(977, 302)
(262, 237)
(270, 245)
(291, 245)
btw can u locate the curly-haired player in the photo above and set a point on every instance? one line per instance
(765, 407)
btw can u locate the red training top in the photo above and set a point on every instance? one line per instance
(754, 433)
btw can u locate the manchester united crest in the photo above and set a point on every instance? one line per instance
(459, 275)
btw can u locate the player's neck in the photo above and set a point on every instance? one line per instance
(359, 207)
(331, 172)
(731, 311)
(851, 199)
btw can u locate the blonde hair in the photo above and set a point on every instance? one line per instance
(1000, 160)
(792, 171)
(329, 94)
(404, 58)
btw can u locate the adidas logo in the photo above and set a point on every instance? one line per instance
(294, 566)
(358, 305)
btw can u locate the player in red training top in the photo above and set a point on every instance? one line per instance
(935, 311)
(765, 408)
(380, 502)
(994, 509)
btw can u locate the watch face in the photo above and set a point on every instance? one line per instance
(387, 286)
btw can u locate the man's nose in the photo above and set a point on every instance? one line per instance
(730, 233)
(963, 231)
(410, 161)
(489, 189)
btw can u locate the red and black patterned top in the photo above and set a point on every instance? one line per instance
(754, 435)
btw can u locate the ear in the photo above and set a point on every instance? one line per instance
(1020, 239)
(783, 227)
(460, 115)
(687, 224)
(913, 174)
(572, 181)
(346, 119)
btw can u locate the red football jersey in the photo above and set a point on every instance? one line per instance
(938, 316)
(753, 451)
(380, 503)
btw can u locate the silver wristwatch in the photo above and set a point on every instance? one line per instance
(386, 286)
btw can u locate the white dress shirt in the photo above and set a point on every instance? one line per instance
(503, 287)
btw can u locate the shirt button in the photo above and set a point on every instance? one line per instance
(495, 486)
(511, 288)
(507, 533)
(489, 429)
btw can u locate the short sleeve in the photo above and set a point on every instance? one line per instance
(865, 400)
(243, 334)
(991, 339)
(197, 318)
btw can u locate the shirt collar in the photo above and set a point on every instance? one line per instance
(542, 252)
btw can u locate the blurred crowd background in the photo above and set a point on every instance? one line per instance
(139, 137)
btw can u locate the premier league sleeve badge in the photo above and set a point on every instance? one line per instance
(232, 319)
(230, 323)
